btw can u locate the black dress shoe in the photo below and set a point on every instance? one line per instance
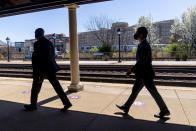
(162, 114)
(123, 108)
(66, 107)
(30, 107)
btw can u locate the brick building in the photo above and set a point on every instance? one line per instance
(87, 40)
(164, 28)
(61, 42)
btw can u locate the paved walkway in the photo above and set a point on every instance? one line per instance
(94, 108)
(177, 63)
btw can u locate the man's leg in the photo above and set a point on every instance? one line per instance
(150, 85)
(135, 91)
(59, 90)
(138, 85)
(36, 87)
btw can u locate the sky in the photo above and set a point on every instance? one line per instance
(21, 27)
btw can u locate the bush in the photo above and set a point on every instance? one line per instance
(184, 56)
(177, 50)
(93, 50)
(177, 57)
(114, 55)
(66, 55)
(106, 49)
(130, 54)
(172, 49)
(133, 51)
(155, 53)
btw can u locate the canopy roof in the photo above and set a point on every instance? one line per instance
(14, 7)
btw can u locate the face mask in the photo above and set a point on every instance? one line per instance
(136, 36)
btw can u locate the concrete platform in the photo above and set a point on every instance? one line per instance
(156, 63)
(94, 108)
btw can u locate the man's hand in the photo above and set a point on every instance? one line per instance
(128, 74)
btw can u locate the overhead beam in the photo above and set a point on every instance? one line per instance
(34, 6)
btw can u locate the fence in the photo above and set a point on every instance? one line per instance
(156, 55)
(25, 54)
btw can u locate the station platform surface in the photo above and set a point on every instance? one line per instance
(94, 108)
(156, 63)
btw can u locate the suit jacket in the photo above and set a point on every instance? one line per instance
(43, 58)
(143, 67)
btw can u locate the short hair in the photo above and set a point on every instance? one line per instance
(143, 31)
(39, 32)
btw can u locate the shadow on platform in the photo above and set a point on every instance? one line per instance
(52, 98)
(14, 118)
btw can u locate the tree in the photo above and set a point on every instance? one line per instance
(184, 29)
(153, 35)
(177, 30)
(101, 28)
(189, 22)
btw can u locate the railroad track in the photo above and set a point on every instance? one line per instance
(184, 76)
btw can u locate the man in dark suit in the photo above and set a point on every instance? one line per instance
(144, 75)
(44, 65)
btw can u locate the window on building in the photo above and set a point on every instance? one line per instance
(19, 50)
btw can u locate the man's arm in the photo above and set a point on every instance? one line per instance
(143, 57)
(35, 53)
(45, 51)
(41, 53)
(52, 50)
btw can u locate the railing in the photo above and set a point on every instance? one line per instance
(16, 54)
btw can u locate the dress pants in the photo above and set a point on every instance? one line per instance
(38, 79)
(150, 85)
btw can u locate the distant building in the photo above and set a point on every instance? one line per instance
(61, 43)
(19, 48)
(164, 28)
(29, 46)
(127, 40)
(2, 43)
(88, 40)
(19, 44)
(3, 49)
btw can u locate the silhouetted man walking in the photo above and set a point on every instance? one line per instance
(144, 75)
(44, 65)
